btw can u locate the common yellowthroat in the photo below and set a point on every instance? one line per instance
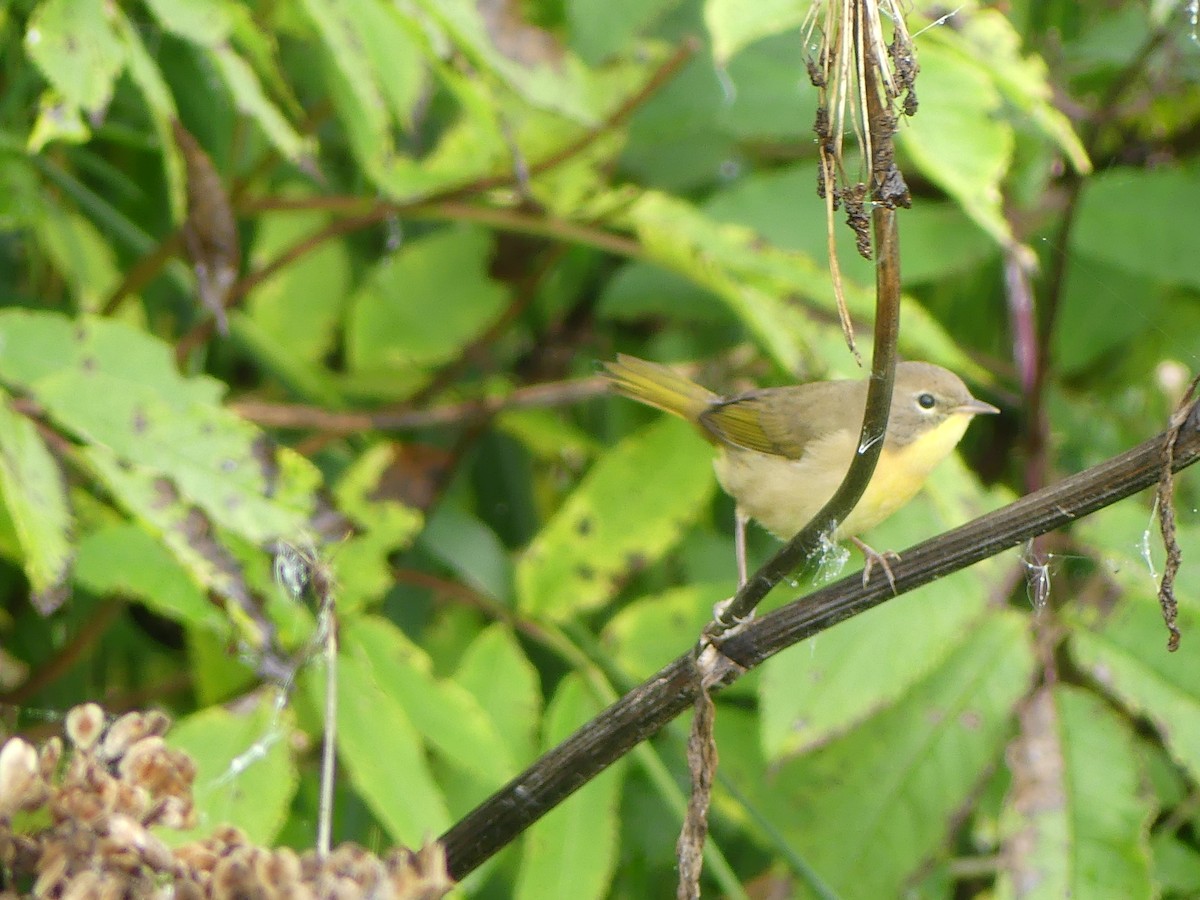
(783, 451)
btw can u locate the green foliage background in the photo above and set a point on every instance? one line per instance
(446, 213)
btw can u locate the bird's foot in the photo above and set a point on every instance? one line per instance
(873, 556)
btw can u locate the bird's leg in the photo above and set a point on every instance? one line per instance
(739, 552)
(872, 556)
(739, 544)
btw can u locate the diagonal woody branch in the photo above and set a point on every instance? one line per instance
(645, 710)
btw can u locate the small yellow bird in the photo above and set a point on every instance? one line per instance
(785, 450)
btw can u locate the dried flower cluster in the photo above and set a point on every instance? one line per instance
(76, 826)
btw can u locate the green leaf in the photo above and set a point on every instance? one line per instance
(360, 101)
(523, 58)
(203, 22)
(650, 631)
(75, 45)
(82, 255)
(503, 681)
(180, 526)
(1077, 822)
(600, 28)
(989, 40)
(421, 305)
(628, 510)
(116, 387)
(1096, 318)
(959, 98)
(1120, 222)
(761, 284)
(302, 304)
(1176, 865)
(1127, 657)
(148, 78)
(383, 753)
(447, 717)
(252, 101)
(471, 549)
(819, 689)
(572, 851)
(127, 560)
(57, 121)
(734, 25)
(36, 499)
(362, 561)
(900, 780)
(939, 240)
(245, 774)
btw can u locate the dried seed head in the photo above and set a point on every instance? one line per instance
(21, 784)
(85, 723)
(131, 728)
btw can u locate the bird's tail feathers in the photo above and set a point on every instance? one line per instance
(658, 386)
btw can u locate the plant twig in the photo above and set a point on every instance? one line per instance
(870, 443)
(290, 415)
(647, 708)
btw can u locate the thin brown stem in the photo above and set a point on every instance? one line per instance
(69, 654)
(286, 415)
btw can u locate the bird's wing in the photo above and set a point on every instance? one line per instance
(782, 421)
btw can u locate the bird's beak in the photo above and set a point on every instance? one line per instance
(975, 407)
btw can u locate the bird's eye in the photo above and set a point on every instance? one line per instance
(926, 401)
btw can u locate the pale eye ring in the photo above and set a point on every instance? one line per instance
(926, 401)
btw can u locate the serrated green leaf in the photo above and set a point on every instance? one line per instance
(245, 773)
(1076, 822)
(182, 528)
(75, 45)
(500, 677)
(446, 716)
(116, 387)
(900, 779)
(127, 560)
(35, 496)
(628, 510)
(572, 850)
(383, 753)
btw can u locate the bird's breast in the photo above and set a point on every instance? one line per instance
(783, 495)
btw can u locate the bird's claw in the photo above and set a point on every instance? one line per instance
(873, 556)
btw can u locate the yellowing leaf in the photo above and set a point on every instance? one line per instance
(628, 510)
